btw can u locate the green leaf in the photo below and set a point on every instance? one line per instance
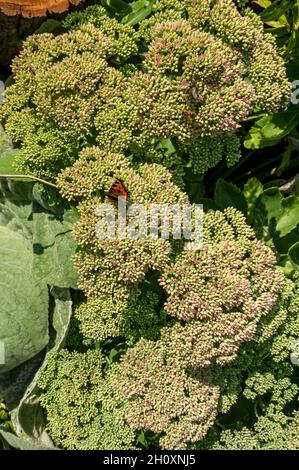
(50, 26)
(289, 217)
(26, 211)
(5, 142)
(53, 246)
(18, 443)
(16, 197)
(229, 195)
(24, 301)
(283, 244)
(263, 3)
(272, 201)
(275, 11)
(7, 160)
(116, 6)
(167, 145)
(13, 384)
(7, 154)
(269, 130)
(140, 10)
(294, 255)
(253, 189)
(28, 418)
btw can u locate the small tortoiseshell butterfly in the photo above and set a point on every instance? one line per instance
(118, 189)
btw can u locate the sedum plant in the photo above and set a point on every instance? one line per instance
(165, 344)
(188, 339)
(183, 80)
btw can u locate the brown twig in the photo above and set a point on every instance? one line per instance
(35, 178)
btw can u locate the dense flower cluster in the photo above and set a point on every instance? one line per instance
(176, 375)
(110, 269)
(170, 338)
(276, 432)
(84, 412)
(62, 86)
(123, 37)
(105, 316)
(163, 398)
(220, 293)
(197, 80)
(218, 60)
(266, 375)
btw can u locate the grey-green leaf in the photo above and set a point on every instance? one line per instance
(24, 301)
(19, 443)
(28, 418)
(54, 245)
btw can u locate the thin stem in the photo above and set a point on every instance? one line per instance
(35, 178)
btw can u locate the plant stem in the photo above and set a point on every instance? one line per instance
(35, 178)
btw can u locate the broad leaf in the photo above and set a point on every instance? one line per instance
(50, 26)
(54, 246)
(289, 217)
(24, 301)
(17, 443)
(7, 160)
(274, 11)
(17, 197)
(49, 228)
(141, 9)
(269, 130)
(28, 418)
(5, 142)
(272, 201)
(294, 255)
(227, 194)
(253, 189)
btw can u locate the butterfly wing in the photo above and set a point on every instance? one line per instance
(118, 189)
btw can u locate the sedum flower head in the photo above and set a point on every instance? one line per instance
(105, 316)
(110, 269)
(77, 398)
(192, 73)
(163, 398)
(129, 259)
(62, 86)
(221, 292)
(123, 37)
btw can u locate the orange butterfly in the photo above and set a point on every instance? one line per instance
(118, 189)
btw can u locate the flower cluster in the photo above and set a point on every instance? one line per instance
(218, 60)
(192, 73)
(276, 432)
(266, 375)
(110, 269)
(79, 401)
(62, 86)
(170, 338)
(178, 371)
(163, 398)
(220, 293)
(105, 316)
(123, 37)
